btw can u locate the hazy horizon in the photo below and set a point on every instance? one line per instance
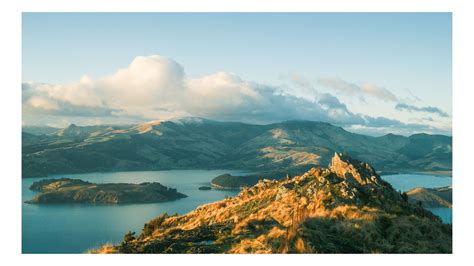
(369, 133)
(369, 73)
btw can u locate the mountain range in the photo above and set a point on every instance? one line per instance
(196, 143)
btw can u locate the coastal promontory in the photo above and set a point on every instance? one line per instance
(345, 208)
(441, 197)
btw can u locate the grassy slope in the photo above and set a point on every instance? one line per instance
(344, 209)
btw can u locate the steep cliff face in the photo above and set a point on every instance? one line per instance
(346, 208)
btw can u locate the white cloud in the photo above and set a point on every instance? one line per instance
(366, 89)
(149, 87)
(223, 93)
(80, 94)
(156, 88)
(146, 82)
(378, 92)
(39, 102)
(426, 109)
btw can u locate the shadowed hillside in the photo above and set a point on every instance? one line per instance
(195, 143)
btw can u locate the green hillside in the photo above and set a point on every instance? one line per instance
(195, 143)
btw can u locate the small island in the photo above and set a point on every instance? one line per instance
(236, 182)
(231, 182)
(68, 190)
(205, 188)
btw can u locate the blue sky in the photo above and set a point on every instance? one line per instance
(308, 56)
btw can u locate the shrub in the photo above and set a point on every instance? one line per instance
(127, 245)
(404, 196)
(154, 224)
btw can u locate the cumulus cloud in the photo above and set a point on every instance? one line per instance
(222, 94)
(365, 89)
(149, 87)
(426, 109)
(156, 88)
(146, 82)
(45, 99)
(38, 102)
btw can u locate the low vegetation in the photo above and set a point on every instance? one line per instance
(346, 208)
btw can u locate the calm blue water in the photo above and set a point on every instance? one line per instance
(404, 182)
(446, 214)
(74, 228)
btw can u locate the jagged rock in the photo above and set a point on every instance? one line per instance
(348, 168)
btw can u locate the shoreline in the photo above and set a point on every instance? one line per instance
(440, 173)
(132, 171)
(219, 187)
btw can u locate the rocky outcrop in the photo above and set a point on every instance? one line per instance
(346, 208)
(348, 168)
(67, 190)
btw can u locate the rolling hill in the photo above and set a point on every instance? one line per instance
(195, 143)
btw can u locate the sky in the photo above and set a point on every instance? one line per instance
(372, 73)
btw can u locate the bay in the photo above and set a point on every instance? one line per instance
(75, 228)
(404, 182)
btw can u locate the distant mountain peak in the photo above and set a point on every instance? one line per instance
(71, 131)
(148, 126)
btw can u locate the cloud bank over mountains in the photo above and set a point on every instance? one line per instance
(361, 91)
(426, 109)
(157, 88)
